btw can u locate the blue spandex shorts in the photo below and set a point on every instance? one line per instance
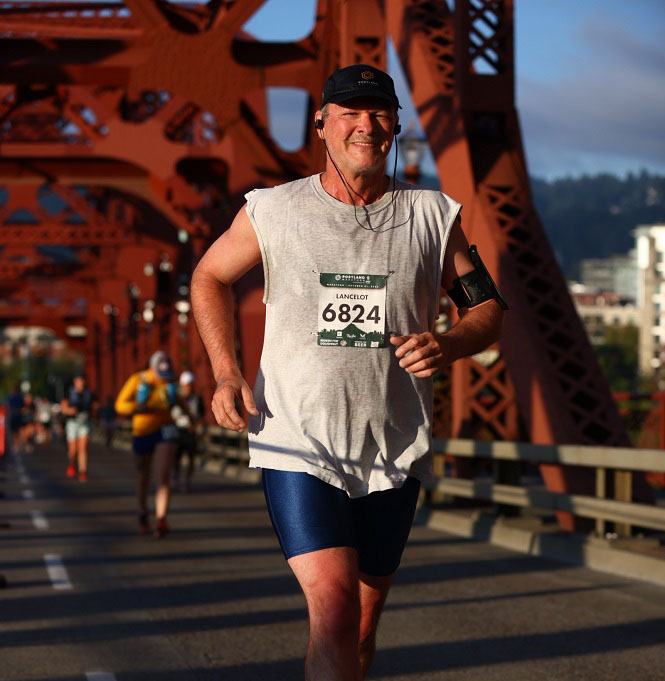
(309, 514)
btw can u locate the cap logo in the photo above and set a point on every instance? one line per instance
(367, 75)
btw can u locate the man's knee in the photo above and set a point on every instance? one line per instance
(335, 608)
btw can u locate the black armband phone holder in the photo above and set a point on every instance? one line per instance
(475, 287)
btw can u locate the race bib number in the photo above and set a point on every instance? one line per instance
(352, 310)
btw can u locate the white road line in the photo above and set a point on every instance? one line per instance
(39, 520)
(28, 494)
(100, 676)
(57, 571)
(24, 479)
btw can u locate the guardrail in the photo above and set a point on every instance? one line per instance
(225, 451)
(603, 459)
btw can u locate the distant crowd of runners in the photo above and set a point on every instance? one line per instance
(166, 413)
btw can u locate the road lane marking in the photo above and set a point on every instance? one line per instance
(28, 494)
(39, 520)
(24, 479)
(57, 571)
(100, 676)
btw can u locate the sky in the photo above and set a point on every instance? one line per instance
(590, 82)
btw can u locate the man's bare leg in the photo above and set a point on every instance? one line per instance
(82, 449)
(144, 465)
(373, 594)
(71, 452)
(329, 580)
(164, 456)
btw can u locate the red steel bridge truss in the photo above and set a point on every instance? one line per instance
(130, 131)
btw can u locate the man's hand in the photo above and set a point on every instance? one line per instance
(420, 354)
(223, 402)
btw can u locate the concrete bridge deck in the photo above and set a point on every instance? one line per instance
(216, 601)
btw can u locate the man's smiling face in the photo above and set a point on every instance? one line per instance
(359, 133)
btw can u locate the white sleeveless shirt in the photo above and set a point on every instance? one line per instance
(332, 399)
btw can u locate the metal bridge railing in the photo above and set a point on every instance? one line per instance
(225, 451)
(603, 459)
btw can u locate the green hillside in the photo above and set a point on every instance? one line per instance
(592, 216)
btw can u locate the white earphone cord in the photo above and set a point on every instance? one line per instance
(348, 191)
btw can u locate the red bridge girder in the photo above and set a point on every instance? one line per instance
(139, 87)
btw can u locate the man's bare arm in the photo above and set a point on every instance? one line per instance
(423, 354)
(233, 254)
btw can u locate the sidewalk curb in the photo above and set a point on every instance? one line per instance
(598, 554)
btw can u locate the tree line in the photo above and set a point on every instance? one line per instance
(593, 216)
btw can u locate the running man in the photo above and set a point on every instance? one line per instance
(341, 413)
(187, 418)
(15, 404)
(148, 397)
(77, 410)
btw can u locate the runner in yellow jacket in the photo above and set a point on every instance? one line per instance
(148, 397)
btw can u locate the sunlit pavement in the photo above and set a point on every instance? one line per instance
(88, 598)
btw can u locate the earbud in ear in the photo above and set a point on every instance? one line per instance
(398, 129)
(318, 124)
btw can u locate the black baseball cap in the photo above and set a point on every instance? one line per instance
(359, 80)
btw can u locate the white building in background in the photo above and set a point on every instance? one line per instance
(650, 247)
(616, 274)
(598, 311)
(606, 295)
